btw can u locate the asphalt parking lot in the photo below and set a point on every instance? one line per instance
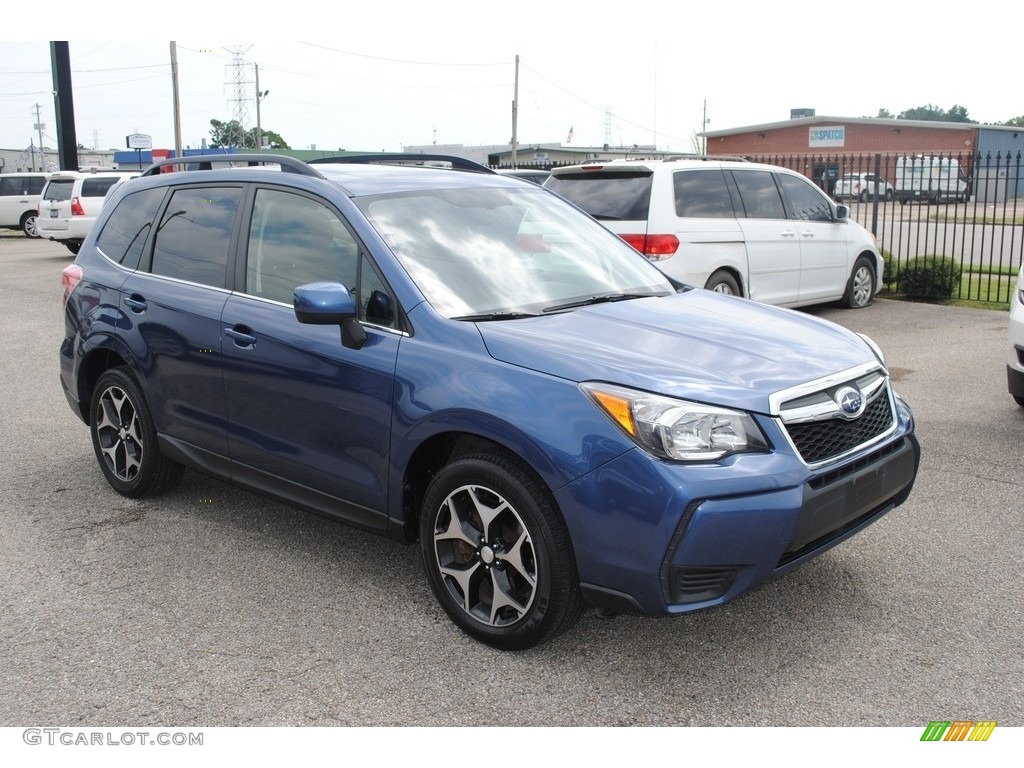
(211, 606)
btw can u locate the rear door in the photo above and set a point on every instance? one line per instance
(55, 205)
(773, 245)
(175, 300)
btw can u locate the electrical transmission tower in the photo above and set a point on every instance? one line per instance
(240, 99)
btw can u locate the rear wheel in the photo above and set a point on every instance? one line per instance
(723, 282)
(1018, 400)
(497, 554)
(28, 224)
(861, 289)
(124, 438)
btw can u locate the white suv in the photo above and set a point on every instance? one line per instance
(1015, 365)
(19, 200)
(863, 186)
(70, 203)
(759, 231)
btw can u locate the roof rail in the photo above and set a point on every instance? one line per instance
(410, 159)
(205, 163)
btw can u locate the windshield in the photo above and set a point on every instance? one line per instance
(497, 253)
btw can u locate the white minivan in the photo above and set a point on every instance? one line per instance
(70, 203)
(19, 200)
(759, 231)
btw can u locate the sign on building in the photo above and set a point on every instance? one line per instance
(827, 136)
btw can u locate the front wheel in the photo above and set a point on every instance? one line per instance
(73, 245)
(888, 195)
(125, 440)
(861, 288)
(723, 282)
(497, 553)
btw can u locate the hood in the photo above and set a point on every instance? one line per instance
(696, 345)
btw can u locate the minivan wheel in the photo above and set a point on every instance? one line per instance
(861, 288)
(497, 554)
(723, 282)
(28, 225)
(124, 438)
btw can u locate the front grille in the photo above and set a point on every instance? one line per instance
(819, 441)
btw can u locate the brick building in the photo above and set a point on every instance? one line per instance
(844, 135)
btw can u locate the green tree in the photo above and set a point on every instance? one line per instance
(230, 134)
(955, 114)
(885, 114)
(1015, 122)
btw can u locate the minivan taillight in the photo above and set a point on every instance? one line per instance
(69, 279)
(76, 207)
(654, 247)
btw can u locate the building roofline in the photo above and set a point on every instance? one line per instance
(819, 119)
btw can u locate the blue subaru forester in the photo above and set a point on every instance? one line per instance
(468, 361)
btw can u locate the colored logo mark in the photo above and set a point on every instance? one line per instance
(958, 730)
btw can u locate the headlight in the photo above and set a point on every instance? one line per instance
(677, 429)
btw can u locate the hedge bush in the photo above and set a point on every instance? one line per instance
(929, 277)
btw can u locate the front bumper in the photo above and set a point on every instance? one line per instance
(660, 538)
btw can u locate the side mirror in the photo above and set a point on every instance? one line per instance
(842, 212)
(330, 304)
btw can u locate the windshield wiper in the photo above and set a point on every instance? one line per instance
(601, 298)
(488, 316)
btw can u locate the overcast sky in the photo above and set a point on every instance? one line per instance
(407, 73)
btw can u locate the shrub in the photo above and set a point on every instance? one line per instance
(929, 277)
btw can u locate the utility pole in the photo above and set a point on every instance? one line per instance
(515, 114)
(177, 99)
(39, 126)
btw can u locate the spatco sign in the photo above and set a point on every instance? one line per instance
(827, 136)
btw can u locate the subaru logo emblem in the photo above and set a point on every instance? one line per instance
(850, 402)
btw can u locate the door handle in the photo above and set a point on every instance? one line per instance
(242, 335)
(137, 304)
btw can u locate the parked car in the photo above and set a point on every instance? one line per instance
(19, 201)
(470, 362)
(733, 227)
(1015, 364)
(70, 203)
(863, 187)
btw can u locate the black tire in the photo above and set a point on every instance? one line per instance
(124, 438)
(28, 224)
(73, 245)
(1018, 400)
(860, 290)
(522, 551)
(864, 196)
(888, 195)
(723, 282)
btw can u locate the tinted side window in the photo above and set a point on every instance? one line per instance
(702, 194)
(805, 199)
(619, 196)
(34, 185)
(760, 195)
(294, 240)
(125, 232)
(194, 235)
(9, 187)
(98, 187)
